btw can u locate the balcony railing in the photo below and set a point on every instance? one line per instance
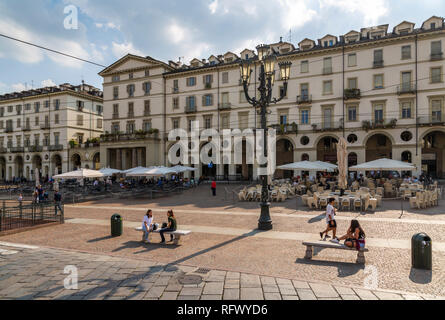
(307, 98)
(225, 106)
(3, 150)
(328, 126)
(327, 70)
(285, 128)
(406, 89)
(35, 149)
(115, 115)
(57, 147)
(45, 126)
(352, 94)
(437, 56)
(130, 115)
(208, 85)
(430, 120)
(17, 149)
(26, 128)
(9, 130)
(190, 109)
(378, 64)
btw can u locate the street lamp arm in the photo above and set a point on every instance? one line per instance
(250, 100)
(282, 95)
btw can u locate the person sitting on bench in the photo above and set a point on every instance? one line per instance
(171, 226)
(147, 226)
(355, 237)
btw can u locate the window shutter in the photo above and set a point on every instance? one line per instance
(203, 100)
(204, 79)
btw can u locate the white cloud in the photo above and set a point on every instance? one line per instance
(371, 10)
(109, 25)
(213, 6)
(295, 13)
(48, 83)
(122, 49)
(175, 33)
(17, 87)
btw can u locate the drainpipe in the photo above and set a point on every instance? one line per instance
(417, 109)
(343, 88)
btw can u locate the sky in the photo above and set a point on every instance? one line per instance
(103, 31)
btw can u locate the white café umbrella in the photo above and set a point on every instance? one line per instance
(342, 157)
(384, 165)
(152, 172)
(108, 172)
(134, 169)
(306, 166)
(327, 164)
(80, 174)
(182, 169)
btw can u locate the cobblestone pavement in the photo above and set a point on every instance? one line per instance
(224, 238)
(34, 273)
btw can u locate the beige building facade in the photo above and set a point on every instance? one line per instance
(383, 90)
(49, 131)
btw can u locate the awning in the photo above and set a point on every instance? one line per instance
(384, 165)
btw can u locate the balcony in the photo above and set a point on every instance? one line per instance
(328, 126)
(437, 120)
(436, 56)
(3, 150)
(26, 128)
(175, 90)
(116, 116)
(130, 115)
(225, 106)
(352, 94)
(57, 147)
(17, 150)
(45, 126)
(9, 130)
(208, 86)
(327, 70)
(190, 109)
(378, 64)
(285, 128)
(35, 149)
(379, 124)
(137, 135)
(406, 89)
(307, 98)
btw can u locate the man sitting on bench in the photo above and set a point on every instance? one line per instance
(355, 237)
(171, 226)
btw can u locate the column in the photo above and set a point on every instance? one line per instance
(124, 159)
(140, 158)
(134, 158)
(119, 159)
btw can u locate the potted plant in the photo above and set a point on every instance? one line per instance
(393, 123)
(72, 143)
(366, 125)
(314, 127)
(294, 128)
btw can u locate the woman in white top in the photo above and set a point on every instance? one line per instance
(147, 226)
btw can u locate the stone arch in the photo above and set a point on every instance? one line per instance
(37, 166)
(428, 132)
(2, 168)
(56, 164)
(76, 161)
(373, 133)
(284, 155)
(326, 148)
(378, 145)
(327, 135)
(96, 161)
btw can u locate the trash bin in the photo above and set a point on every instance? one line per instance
(116, 225)
(421, 252)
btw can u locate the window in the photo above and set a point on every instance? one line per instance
(36, 140)
(46, 141)
(115, 127)
(191, 82)
(352, 113)
(10, 108)
(36, 107)
(46, 103)
(146, 125)
(378, 81)
(225, 99)
(130, 90)
(225, 77)
(80, 120)
(207, 100)
(99, 124)
(243, 119)
(130, 110)
(36, 121)
(436, 47)
(436, 110)
(433, 25)
(80, 105)
(304, 116)
(116, 93)
(175, 123)
(208, 122)
(378, 113)
(56, 104)
(130, 127)
(2, 125)
(281, 92)
(327, 65)
(327, 87)
(305, 140)
(99, 109)
(352, 138)
(208, 79)
(115, 110)
(19, 123)
(436, 75)
(283, 119)
(175, 103)
(146, 107)
(115, 78)
(406, 136)
(225, 121)
(191, 102)
(406, 52)
(131, 75)
(406, 81)
(406, 110)
(175, 86)
(352, 60)
(189, 123)
(146, 86)
(18, 109)
(147, 72)
(56, 138)
(352, 83)
(378, 58)
(242, 97)
(304, 67)
(27, 106)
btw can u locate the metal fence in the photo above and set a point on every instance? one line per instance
(26, 214)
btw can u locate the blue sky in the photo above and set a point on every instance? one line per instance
(169, 29)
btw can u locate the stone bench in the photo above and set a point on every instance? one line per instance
(330, 245)
(176, 234)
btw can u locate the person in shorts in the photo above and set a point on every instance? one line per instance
(330, 221)
(355, 236)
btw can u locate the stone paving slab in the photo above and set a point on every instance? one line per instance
(160, 283)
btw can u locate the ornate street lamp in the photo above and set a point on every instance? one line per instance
(266, 82)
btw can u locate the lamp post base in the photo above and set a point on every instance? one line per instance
(265, 223)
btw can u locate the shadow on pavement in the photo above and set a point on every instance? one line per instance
(420, 276)
(100, 239)
(344, 269)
